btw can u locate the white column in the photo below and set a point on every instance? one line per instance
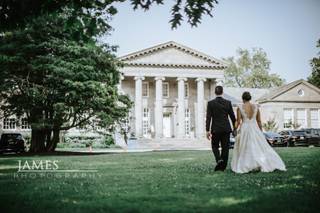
(212, 87)
(158, 108)
(119, 85)
(181, 108)
(138, 105)
(200, 107)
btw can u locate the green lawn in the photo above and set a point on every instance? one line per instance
(176, 181)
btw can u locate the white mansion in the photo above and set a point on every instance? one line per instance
(170, 85)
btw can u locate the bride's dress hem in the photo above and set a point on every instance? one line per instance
(259, 170)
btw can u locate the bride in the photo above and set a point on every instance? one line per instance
(252, 151)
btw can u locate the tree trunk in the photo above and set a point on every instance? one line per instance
(38, 133)
(38, 137)
(48, 139)
(54, 141)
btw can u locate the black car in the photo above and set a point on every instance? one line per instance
(275, 139)
(312, 136)
(232, 142)
(12, 142)
(295, 137)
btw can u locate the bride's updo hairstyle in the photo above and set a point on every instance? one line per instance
(246, 96)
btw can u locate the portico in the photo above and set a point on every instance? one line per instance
(169, 96)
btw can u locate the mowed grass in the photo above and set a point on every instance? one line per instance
(175, 181)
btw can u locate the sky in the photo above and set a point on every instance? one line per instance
(287, 30)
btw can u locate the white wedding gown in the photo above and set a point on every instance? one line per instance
(251, 150)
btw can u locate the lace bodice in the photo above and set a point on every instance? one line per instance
(245, 116)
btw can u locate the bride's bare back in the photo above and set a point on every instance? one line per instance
(249, 110)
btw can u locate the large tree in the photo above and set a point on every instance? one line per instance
(53, 70)
(57, 82)
(251, 69)
(314, 78)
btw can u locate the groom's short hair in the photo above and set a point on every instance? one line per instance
(218, 90)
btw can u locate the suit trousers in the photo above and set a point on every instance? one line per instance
(221, 139)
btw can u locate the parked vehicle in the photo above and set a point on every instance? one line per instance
(295, 137)
(275, 139)
(312, 136)
(232, 141)
(12, 142)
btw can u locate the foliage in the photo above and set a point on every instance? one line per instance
(270, 125)
(293, 125)
(192, 9)
(71, 145)
(89, 15)
(181, 181)
(251, 69)
(108, 140)
(84, 139)
(92, 13)
(58, 82)
(314, 78)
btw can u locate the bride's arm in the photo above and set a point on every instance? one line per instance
(238, 121)
(259, 119)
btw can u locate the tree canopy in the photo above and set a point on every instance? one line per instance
(15, 13)
(251, 69)
(314, 78)
(58, 82)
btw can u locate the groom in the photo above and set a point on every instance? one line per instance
(218, 112)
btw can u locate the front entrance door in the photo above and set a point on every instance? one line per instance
(167, 125)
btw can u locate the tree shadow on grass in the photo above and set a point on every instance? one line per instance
(55, 153)
(284, 199)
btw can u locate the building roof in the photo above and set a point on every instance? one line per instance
(282, 89)
(234, 94)
(212, 62)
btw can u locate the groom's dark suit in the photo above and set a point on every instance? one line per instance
(218, 112)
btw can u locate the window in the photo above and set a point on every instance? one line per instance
(287, 118)
(165, 89)
(301, 118)
(314, 117)
(187, 122)
(145, 122)
(301, 92)
(25, 124)
(186, 90)
(145, 89)
(9, 123)
(96, 124)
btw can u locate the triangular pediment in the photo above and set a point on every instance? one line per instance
(172, 54)
(297, 91)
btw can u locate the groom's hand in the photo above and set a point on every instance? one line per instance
(234, 132)
(209, 136)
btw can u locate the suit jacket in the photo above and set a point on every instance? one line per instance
(218, 112)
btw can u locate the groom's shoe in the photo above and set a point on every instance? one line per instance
(219, 166)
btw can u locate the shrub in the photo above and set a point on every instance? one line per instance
(108, 140)
(81, 140)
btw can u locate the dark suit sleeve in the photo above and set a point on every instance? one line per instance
(231, 114)
(209, 117)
